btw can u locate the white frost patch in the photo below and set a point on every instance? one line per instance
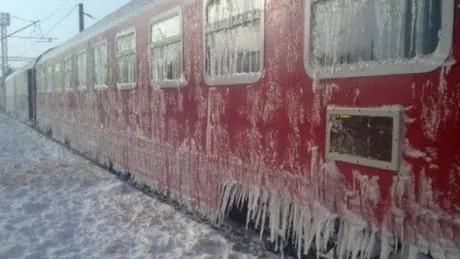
(435, 105)
(412, 152)
(355, 99)
(449, 63)
(369, 187)
(409, 120)
(322, 95)
(356, 236)
(54, 204)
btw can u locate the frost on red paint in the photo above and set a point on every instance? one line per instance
(259, 138)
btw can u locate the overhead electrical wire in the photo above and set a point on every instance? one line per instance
(19, 18)
(28, 48)
(45, 18)
(62, 19)
(55, 11)
(38, 27)
(53, 27)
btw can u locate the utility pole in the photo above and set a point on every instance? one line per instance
(81, 17)
(4, 23)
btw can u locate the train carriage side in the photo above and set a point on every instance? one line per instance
(10, 97)
(19, 87)
(305, 111)
(356, 127)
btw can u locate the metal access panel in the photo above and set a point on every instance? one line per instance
(365, 136)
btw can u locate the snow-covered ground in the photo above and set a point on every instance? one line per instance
(54, 204)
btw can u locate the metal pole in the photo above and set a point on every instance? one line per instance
(4, 65)
(4, 23)
(81, 17)
(4, 41)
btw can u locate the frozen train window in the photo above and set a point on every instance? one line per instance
(57, 77)
(166, 49)
(43, 79)
(100, 65)
(49, 78)
(369, 37)
(39, 80)
(234, 41)
(126, 59)
(81, 71)
(68, 73)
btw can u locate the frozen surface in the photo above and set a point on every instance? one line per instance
(54, 204)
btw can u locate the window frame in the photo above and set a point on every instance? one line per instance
(68, 88)
(408, 66)
(44, 78)
(81, 88)
(39, 79)
(49, 75)
(129, 85)
(155, 20)
(106, 85)
(242, 79)
(57, 88)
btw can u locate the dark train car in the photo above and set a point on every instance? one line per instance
(309, 112)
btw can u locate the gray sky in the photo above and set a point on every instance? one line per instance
(51, 12)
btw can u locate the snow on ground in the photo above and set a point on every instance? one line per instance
(54, 204)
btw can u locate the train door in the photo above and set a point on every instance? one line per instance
(31, 95)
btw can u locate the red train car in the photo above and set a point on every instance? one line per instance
(308, 111)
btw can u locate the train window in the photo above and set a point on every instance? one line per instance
(68, 73)
(39, 81)
(100, 65)
(49, 77)
(371, 37)
(126, 59)
(57, 77)
(166, 49)
(234, 41)
(44, 80)
(81, 71)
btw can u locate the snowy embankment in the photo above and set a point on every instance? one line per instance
(54, 204)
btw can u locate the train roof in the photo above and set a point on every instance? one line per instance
(20, 70)
(122, 14)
